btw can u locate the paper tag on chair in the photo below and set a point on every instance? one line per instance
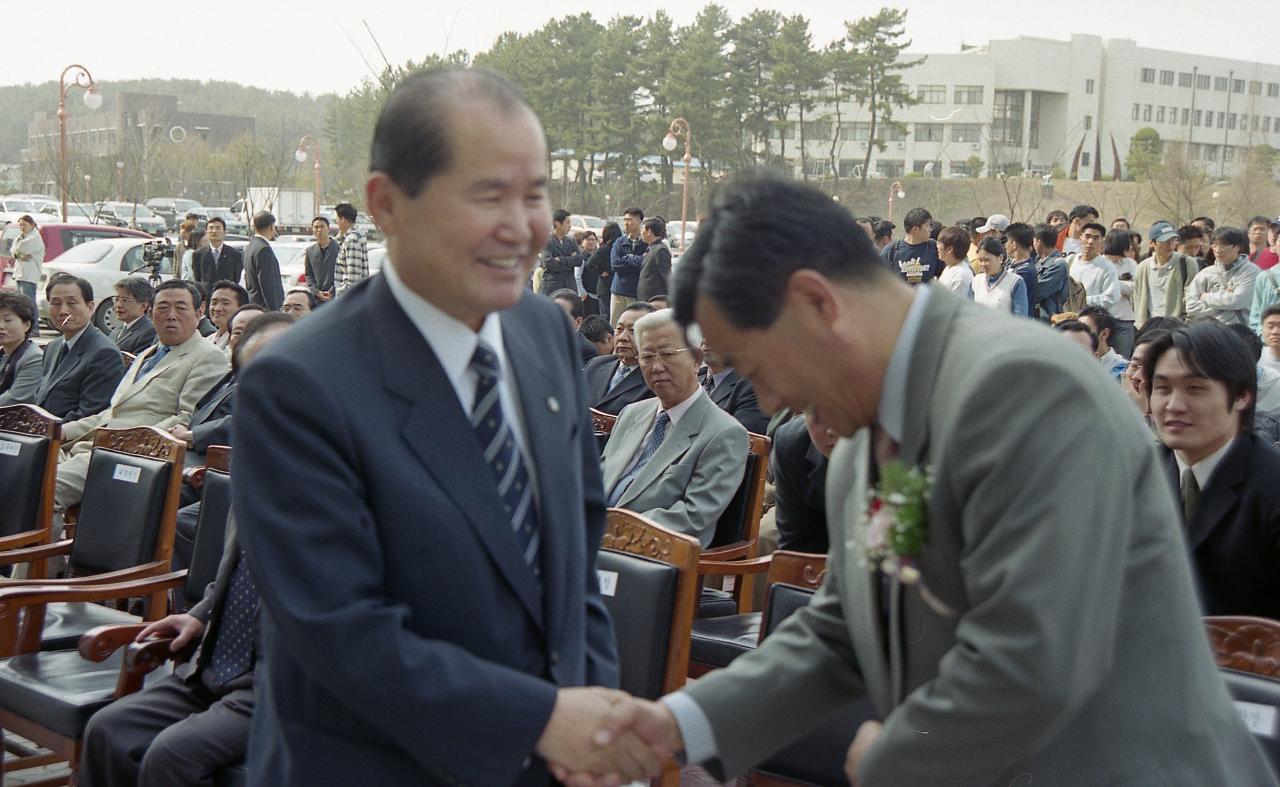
(1260, 719)
(10, 448)
(608, 582)
(127, 473)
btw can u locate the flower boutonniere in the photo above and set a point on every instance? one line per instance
(895, 525)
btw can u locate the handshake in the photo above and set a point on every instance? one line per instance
(600, 737)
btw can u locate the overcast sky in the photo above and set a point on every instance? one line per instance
(318, 45)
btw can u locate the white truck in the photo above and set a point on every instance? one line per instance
(293, 209)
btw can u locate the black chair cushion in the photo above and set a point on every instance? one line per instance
(211, 534)
(1258, 700)
(715, 603)
(231, 776)
(642, 605)
(64, 622)
(59, 691)
(783, 600)
(718, 641)
(731, 527)
(818, 758)
(120, 513)
(22, 459)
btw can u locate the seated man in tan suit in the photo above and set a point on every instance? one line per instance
(160, 389)
(677, 458)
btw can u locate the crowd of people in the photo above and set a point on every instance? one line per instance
(440, 447)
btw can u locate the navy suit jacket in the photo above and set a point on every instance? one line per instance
(262, 274)
(230, 265)
(137, 337)
(84, 383)
(799, 482)
(211, 420)
(404, 638)
(737, 396)
(599, 371)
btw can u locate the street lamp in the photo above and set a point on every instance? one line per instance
(119, 181)
(92, 100)
(895, 189)
(300, 155)
(680, 127)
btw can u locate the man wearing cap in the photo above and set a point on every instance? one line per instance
(994, 227)
(1266, 290)
(1160, 288)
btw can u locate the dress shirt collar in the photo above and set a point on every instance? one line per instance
(72, 341)
(677, 412)
(1203, 469)
(718, 378)
(891, 414)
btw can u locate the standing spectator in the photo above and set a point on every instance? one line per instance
(1191, 243)
(352, 266)
(1160, 288)
(1270, 337)
(625, 260)
(883, 235)
(1052, 278)
(1103, 326)
(1120, 224)
(28, 253)
(600, 266)
(953, 246)
(655, 271)
(588, 279)
(560, 257)
(1019, 239)
(1266, 289)
(217, 261)
(261, 268)
(995, 287)
(1056, 219)
(322, 259)
(1260, 252)
(915, 256)
(20, 358)
(1115, 247)
(1097, 273)
(1224, 290)
(599, 332)
(135, 332)
(1070, 237)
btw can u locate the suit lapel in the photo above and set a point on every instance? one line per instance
(925, 357)
(1222, 493)
(724, 391)
(630, 383)
(439, 433)
(620, 454)
(673, 447)
(213, 399)
(136, 385)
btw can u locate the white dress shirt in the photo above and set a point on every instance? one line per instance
(1203, 470)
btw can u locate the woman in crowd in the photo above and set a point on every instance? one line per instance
(994, 286)
(21, 360)
(953, 250)
(28, 251)
(599, 265)
(1116, 247)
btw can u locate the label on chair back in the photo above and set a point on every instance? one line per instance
(10, 448)
(608, 582)
(1260, 719)
(127, 473)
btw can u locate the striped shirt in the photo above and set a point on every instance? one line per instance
(353, 261)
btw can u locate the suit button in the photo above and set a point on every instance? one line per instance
(555, 657)
(527, 762)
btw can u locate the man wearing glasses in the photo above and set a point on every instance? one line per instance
(677, 458)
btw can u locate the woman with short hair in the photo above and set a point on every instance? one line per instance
(21, 360)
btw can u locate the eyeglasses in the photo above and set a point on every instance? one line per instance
(667, 356)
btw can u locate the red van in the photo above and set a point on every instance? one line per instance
(57, 238)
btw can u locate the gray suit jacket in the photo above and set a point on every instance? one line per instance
(655, 272)
(83, 383)
(1071, 650)
(26, 377)
(689, 482)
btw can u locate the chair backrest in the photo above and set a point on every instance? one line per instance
(130, 505)
(649, 581)
(793, 579)
(741, 520)
(29, 441)
(1245, 644)
(211, 530)
(602, 425)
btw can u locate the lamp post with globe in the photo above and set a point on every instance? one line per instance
(680, 127)
(309, 142)
(92, 100)
(895, 190)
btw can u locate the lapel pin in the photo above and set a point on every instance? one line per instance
(553, 404)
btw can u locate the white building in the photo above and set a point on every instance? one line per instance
(1033, 104)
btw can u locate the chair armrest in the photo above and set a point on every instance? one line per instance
(42, 552)
(144, 657)
(98, 643)
(735, 568)
(194, 477)
(24, 539)
(735, 551)
(134, 572)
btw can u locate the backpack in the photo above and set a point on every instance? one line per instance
(1074, 295)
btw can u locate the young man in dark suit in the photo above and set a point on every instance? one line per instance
(261, 268)
(82, 367)
(135, 332)
(429, 618)
(217, 261)
(614, 381)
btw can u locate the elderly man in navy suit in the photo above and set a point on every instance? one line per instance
(425, 541)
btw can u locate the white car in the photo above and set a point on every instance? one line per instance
(102, 263)
(294, 273)
(581, 223)
(12, 209)
(131, 214)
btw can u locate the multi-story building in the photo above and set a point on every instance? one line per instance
(1032, 105)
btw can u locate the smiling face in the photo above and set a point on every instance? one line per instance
(175, 316)
(1194, 415)
(991, 263)
(222, 304)
(470, 238)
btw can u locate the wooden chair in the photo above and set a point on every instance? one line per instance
(126, 532)
(602, 424)
(211, 531)
(792, 579)
(29, 441)
(1247, 650)
(649, 582)
(738, 532)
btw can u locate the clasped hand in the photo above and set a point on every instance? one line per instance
(600, 737)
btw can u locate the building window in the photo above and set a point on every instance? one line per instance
(1088, 122)
(817, 168)
(1159, 115)
(782, 131)
(1149, 75)
(817, 129)
(850, 168)
(968, 94)
(1266, 125)
(1193, 150)
(1210, 152)
(935, 171)
(929, 132)
(966, 132)
(855, 132)
(1185, 114)
(1273, 90)
(1166, 77)
(890, 168)
(1136, 109)
(1228, 153)
(1255, 88)
(1085, 159)
(1222, 119)
(1220, 84)
(1173, 115)
(1202, 81)
(1208, 120)
(1088, 87)
(1184, 79)
(1231, 121)
(1006, 117)
(1146, 113)
(891, 132)
(1237, 86)
(931, 94)
(1033, 124)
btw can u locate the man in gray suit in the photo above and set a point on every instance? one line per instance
(1048, 630)
(135, 332)
(678, 458)
(81, 367)
(655, 270)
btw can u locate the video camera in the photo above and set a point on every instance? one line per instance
(153, 251)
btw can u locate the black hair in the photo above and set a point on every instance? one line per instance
(248, 307)
(595, 328)
(1021, 234)
(311, 298)
(20, 305)
(1208, 223)
(916, 217)
(638, 306)
(657, 226)
(196, 293)
(884, 229)
(257, 325)
(935, 229)
(639, 214)
(1082, 211)
(1104, 319)
(1047, 235)
(1075, 326)
(956, 239)
(609, 234)
(1211, 350)
(324, 219)
(1116, 243)
(560, 215)
(1232, 236)
(1263, 220)
(1160, 324)
(1271, 311)
(1048, 219)
(1250, 338)
(263, 220)
(242, 295)
(1147, 336)
(27, 218)
(759, 232)
(86, 289)
(1189, 231)
(571, 297)
(346, 210)
(1093, 225)
(137, 287)
(993, 246)
(411, 141)
(215, 220)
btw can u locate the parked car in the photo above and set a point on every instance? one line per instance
(236, 225)
(131, 214)
(79, 212)
(12, 209)
(673, 235)
(294, 273)
(290, 254)
(581, 223)
(174, 209)
(58, 238)
(102, 263)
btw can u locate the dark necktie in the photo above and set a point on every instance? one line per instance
(161, 351)
(619, 375)
(709, 382)
(498, 443)
(651, 446)
(1190, 495)
(62, 354)
(233, 646)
